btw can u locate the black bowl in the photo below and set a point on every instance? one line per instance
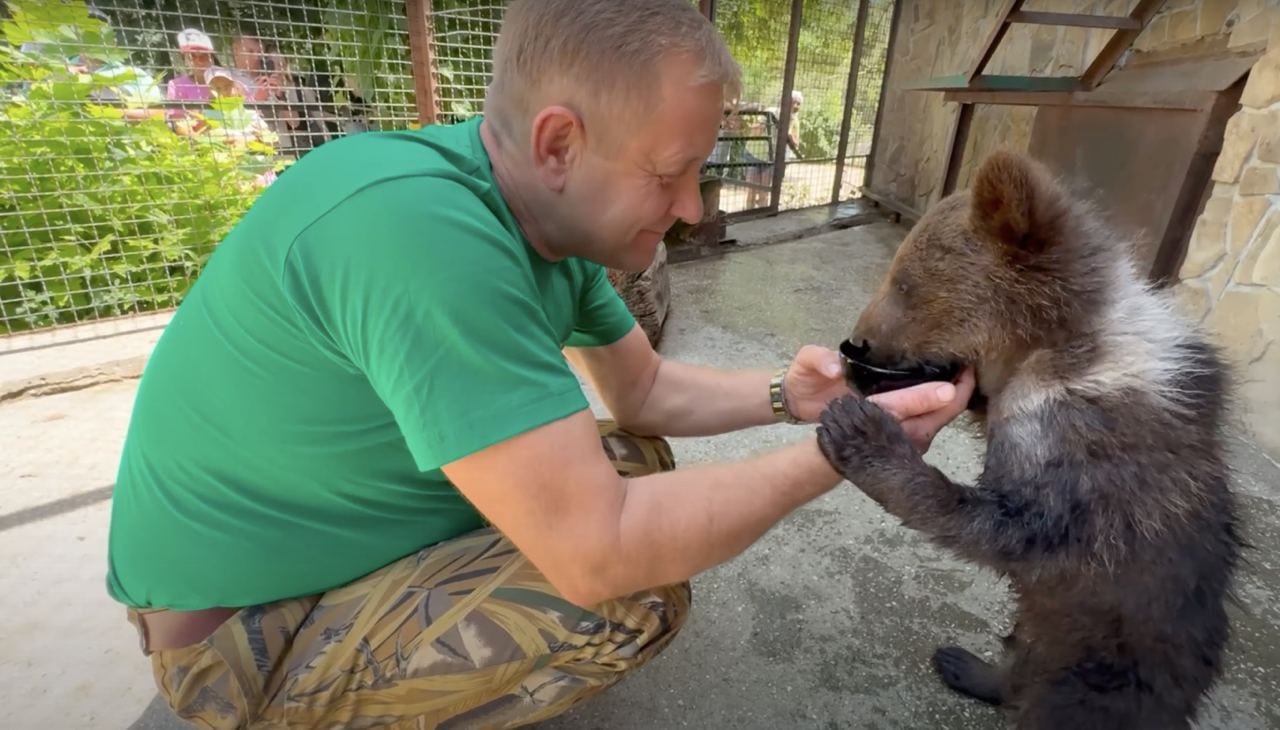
(869, 379)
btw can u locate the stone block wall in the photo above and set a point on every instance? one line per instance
(1231, 276)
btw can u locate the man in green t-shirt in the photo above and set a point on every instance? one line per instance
(361, 484)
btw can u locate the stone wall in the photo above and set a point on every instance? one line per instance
(1231, 275)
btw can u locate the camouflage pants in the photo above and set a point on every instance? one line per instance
(463, 634)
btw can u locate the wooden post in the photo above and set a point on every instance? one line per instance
(850, 97)
(955, 153)
(424, 78)
(784, 108)
(870, 164)
(708, 8)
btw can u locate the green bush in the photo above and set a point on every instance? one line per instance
(98, 216)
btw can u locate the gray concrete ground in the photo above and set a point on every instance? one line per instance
(827, 622)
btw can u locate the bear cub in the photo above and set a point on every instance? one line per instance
(1104, 496)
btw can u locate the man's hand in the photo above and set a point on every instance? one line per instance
(922, 410)
(814, 379)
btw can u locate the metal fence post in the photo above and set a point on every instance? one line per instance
(784, 107)
(424, 78)
(850, 97)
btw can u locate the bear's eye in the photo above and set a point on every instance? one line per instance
(902, 288)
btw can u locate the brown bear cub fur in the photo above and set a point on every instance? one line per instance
(1104, 496)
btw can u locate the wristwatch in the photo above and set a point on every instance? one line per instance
(778, 399)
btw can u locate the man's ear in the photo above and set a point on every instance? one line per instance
(1015, 202)
(555, 143)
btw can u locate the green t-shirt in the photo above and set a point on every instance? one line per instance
(374, 316)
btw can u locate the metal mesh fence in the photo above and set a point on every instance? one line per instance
(757, 35)
(463, 37)
(822, 71)
(135, 133)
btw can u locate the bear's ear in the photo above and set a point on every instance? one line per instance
(1014, 201)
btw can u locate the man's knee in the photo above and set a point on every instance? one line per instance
(640, 626)
(634, 455)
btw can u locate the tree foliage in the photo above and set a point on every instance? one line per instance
(98, 216)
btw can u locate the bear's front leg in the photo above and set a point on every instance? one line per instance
(868, 447)
(1001, 522)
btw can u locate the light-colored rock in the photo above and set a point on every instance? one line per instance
(1214, 14)
(1183, 25)
(1260, 180)
(1253, 27)
(1237, 321)
(1263, 87)
(1269, 148)
(1208, 240)
(1192, 299)
(1261, 264)
(1238, 141)
(1245, 216)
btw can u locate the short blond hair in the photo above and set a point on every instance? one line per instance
(602, 53)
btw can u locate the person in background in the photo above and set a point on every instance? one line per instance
(197, 51)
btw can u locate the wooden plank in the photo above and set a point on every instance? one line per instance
(784, 108)
(955, 152)
(1175, 100)
(996, 82)
(1120, 41)
(850, 97)
(870, 164)
(1075, 20)
(994, 36)
(418, 14)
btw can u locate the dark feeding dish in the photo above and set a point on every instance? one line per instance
(869, 379)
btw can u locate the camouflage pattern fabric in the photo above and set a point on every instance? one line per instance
(464, 634)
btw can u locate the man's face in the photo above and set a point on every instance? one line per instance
(635, 180)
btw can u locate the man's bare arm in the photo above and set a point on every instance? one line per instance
(651, 395)
(596, 535)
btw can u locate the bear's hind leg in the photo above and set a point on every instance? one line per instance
(964, 672)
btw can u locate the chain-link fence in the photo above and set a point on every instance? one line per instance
(135, 133)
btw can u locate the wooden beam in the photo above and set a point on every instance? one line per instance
(1120, 41)
(994, 37)
(870, 164)
(996, 83)
(850, 97)
(1076, 20)
(955, 153)
(1169, 100)
(784, 108)
(418, 13)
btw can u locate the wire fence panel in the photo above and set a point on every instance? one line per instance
(820, 97)
(866, 98)
(135, 133)
(756, 33)
(464, 34)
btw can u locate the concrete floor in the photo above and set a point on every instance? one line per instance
(827, 622)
